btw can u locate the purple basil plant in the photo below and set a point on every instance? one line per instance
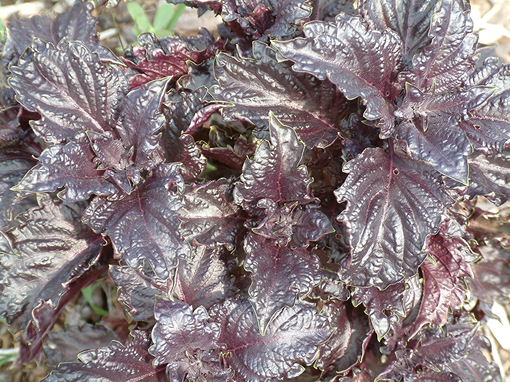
(290, 197)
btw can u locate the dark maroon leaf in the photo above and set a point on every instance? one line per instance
(277, 222)
(167, 57)
(193, 162)
(138, 288)
(181, 336)
(348, 343)
(312, 107)
(203, 281)
(440, 142)
(310, 224)
(58, 83)
(447, 61)
(14, 164)
(291, 339)
(143, 225)
(491, 281)
(490, 176)
(233, 157)
(384, 307)
(393, 204)
(131, 361)
(64, 345)
(141, 122)
(348, 53)
(77, 24)
(208, 217)
(281, 276)
(275, 172)
(409, 19)
(449, 354)
(185, 112)
(9, 113)
(488, 127)
(50, 248)
(326, 10)
(69, 167)
(442, 287)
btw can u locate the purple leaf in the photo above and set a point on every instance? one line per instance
(193, 162)
(233, 157)
(442, 287)
(488, 127)
(77, 24)
(348, 343)
(14, 164)
(393, 203)
(313, 108)
(132, 361)
(310, 224)
(141, 122)
(277, 222)
(143, 225)
(138, 288)
(57, 82)
(275, 172)
(326, 10)
(447, 62)
(69, 167)
(409, 19)
(9, 113)
(281, 276)
(182, 337)
(438, 141)
(203, 281)
(383, 307)
(490, 176)
(50, 248)
(64, 345)
(491, 281)
(167, 57)
(292, 338)
(208, 217)
(348, 52)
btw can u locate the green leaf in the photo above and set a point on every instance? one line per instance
(175, 17)
(87, 293)
(163, 16)
(142, 23)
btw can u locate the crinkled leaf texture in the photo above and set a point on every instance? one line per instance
(70, 87)
(409, 19)
(203, 281)
(275, 172)
(138, 288)
(312, 107)
(292, 339)
(144, 226)
(448, 60)
(69, 167)
(49, 249)
(348, 52)
(14, 164)
(490, 176)
(442, 287)
(393, 203)
(281, 276)
(208, 216)
(348, 343)
(167, 57)
(141, 122)
(75, 25)
(382, 307)
(64, 345)
(131, 362)
(183, 338)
